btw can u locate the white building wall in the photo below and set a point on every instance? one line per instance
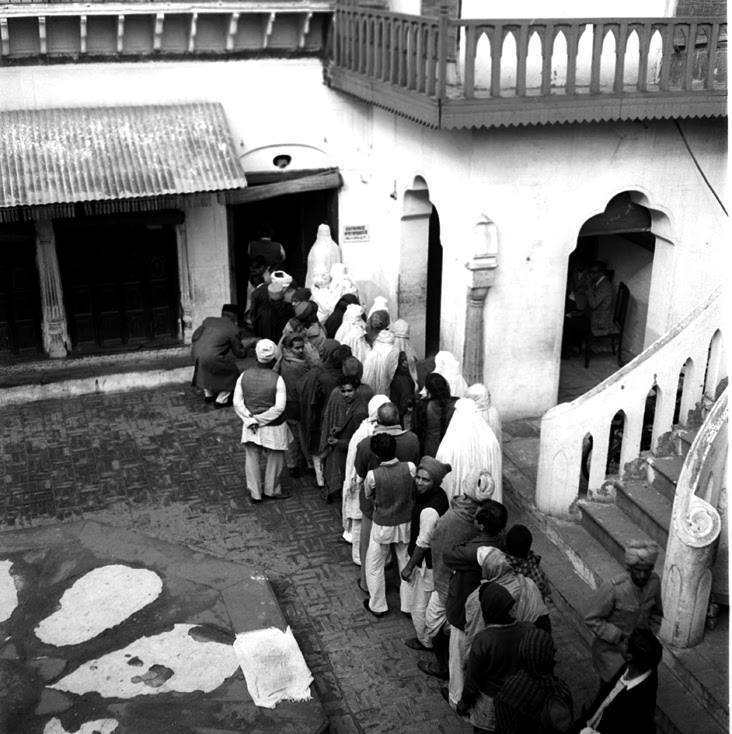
(537, 184)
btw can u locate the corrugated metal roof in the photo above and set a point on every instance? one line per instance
(96, 154)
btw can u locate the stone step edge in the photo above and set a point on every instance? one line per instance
(656, 511)
(596, 521)
(120, 382)
(675, 700)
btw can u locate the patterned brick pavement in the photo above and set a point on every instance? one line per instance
(164, 463)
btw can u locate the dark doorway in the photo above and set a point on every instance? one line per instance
(20, 298)
(120, 282)
(434, 286)
(295, 219)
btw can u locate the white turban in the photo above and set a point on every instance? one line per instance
(479, 485)
(266, 350)
(641, 553)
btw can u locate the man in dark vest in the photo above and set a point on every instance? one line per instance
(259, 400)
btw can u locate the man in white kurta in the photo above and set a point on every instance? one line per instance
(259, 400)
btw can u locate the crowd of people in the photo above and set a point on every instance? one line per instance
(414, 455)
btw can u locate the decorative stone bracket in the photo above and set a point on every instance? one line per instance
(482, 271)
(55, 336)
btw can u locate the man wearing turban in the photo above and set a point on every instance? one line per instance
(259, 400)
(631, 599)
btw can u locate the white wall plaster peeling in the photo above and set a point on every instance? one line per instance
(99, 600)
(8, 592)
(99, 726)
(171, 661)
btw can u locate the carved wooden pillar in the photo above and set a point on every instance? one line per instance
(482, 269)
(186, 301)
(55, 334)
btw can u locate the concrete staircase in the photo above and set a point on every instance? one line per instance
(578, 556)
(642, 511)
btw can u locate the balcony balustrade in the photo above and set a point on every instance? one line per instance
(129, 29)
(457, 73)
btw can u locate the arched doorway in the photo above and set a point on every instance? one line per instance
(420, 273)
(622, 237)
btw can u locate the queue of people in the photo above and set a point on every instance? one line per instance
(414, 455)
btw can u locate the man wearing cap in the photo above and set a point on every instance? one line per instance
(456, 526)
(628, 703)
(216, 345)
(272, 313)
(259, 400)
(430, 504)
(631, 599)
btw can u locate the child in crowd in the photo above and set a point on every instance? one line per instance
(524, 561)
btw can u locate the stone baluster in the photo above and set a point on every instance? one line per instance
(54, 329)
(186, 301)
(693, 536)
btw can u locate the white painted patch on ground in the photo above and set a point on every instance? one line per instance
(99, 726)
(99, 600)
(8, 592)
(140, 668)
(273, 666)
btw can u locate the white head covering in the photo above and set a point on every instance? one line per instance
(480, 394)
(469, 445)
(352, 332)
(266, 350)
(341, 282)
(351, 508)
(281, 277)
(381, 364)
(400, 329)
(449, 368)
(322, 255)
(380, 304)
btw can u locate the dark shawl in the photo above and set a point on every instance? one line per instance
(334, 321)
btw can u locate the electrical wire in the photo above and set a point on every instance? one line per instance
(699, 168)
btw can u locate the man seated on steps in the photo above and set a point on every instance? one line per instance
(632, 599)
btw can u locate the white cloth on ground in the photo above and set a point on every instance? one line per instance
(470, 444)
(273, 666)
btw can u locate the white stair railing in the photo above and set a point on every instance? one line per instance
(564, 427)
(695, 528)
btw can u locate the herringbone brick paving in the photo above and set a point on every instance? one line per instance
(164, 463)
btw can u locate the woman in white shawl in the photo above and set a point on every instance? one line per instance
(341, 282)
(449, 368)
(382, 363)
(322, 255)
(470, 445)
(352, 332)
(351, 508)
(481, 395)
(400, 329)
(380, 304)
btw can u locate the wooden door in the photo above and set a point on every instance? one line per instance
(120, 284)
(20, 298)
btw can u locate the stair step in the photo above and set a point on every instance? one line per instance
(647, 508)
(613, 529)
(685, 437)
(571, 557)
(664, 472)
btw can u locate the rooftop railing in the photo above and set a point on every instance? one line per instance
(462, 73)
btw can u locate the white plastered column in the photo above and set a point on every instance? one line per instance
(53, 325)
